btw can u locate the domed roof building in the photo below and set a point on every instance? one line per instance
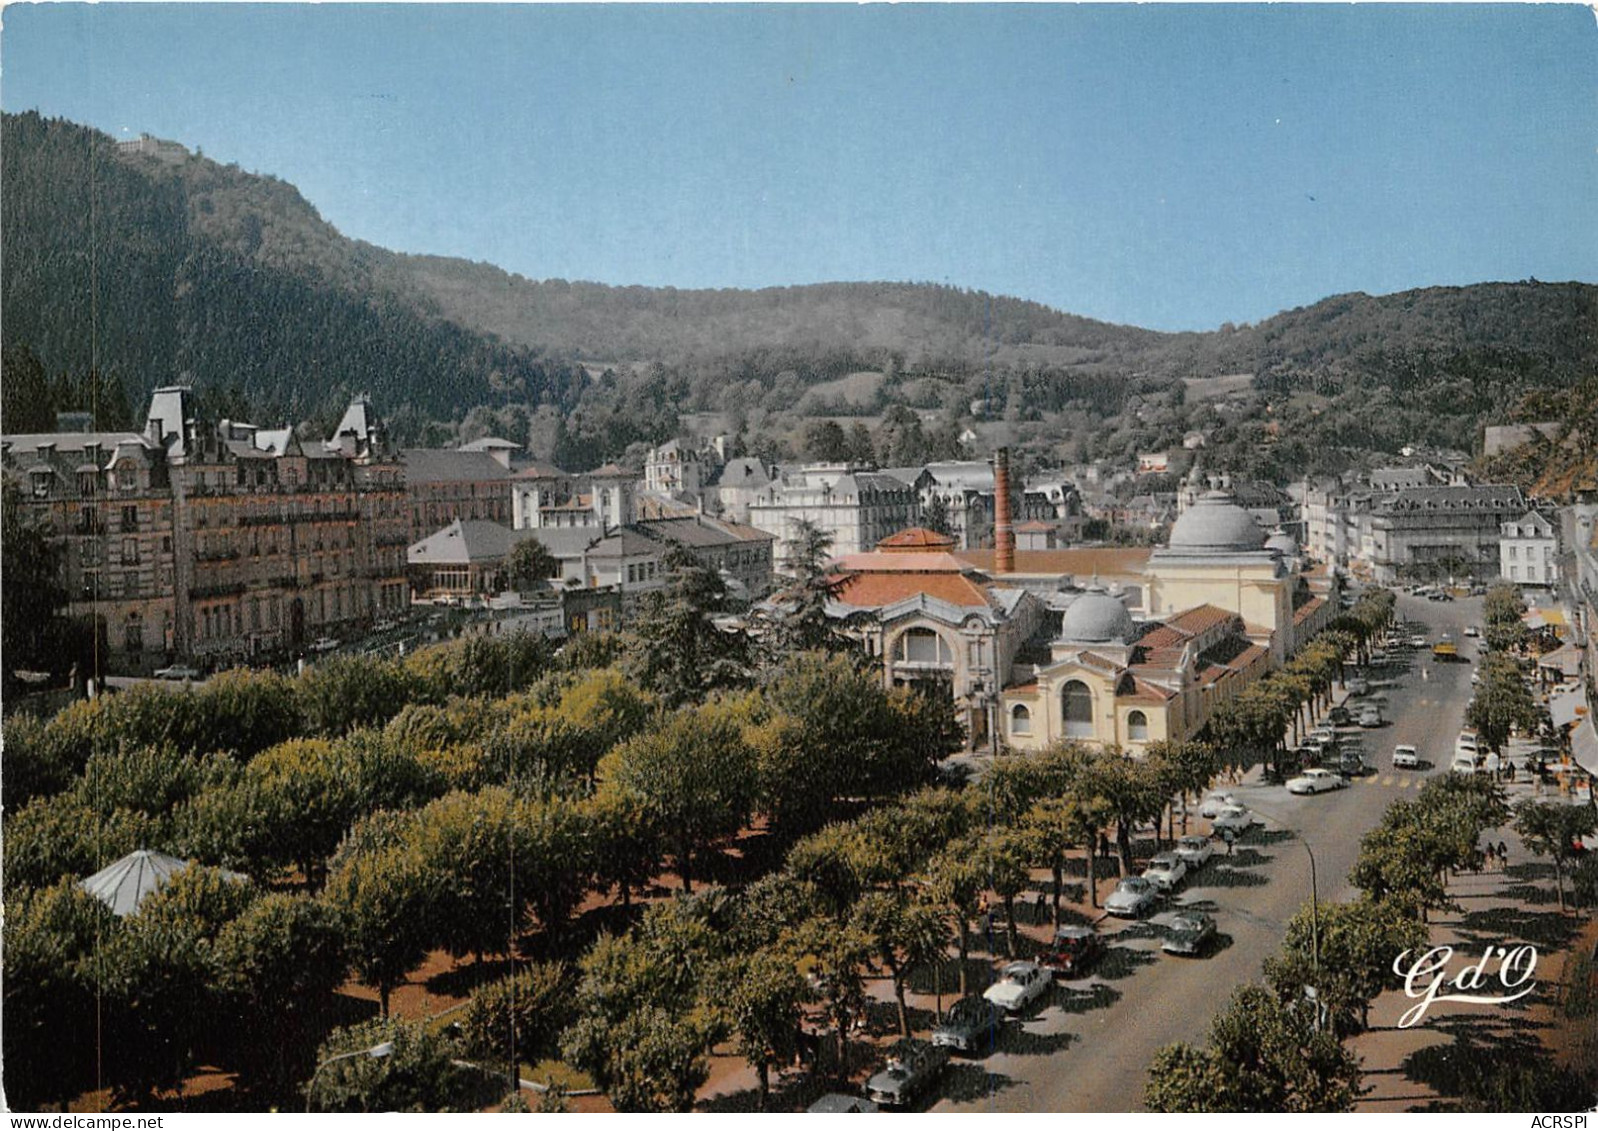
(1215, 524)
(1281, 542)
(1097, 618)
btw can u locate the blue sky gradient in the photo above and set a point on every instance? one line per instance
(1172, 167)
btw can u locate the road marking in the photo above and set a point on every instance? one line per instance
(1404, 784)
(1388, 780)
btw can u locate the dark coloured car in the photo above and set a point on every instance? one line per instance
(1191, 933)
(913, 1067)
(1339, 717)
(836, 1103)
(1073, 952)
(1351, 763)
(971, 1025)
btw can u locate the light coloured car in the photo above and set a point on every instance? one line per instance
(1472, 630)
(1463, 764)
(1370, 715)
(1195, 851)
(1466, 743)
(913, 1067)
(1378, 658)
(1418, 641)
(324, 644)
(1406, 758)
(177, 671)
(1132, 898)
(1315, 781)
(1359, 685)
(1215, 802)
(1235, 819)
(1019, 985)
(1165, 871)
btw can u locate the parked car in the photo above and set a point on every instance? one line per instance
(1195, 851)
(971, 1025)
(324, 644)
(1351, 763)
(1464, 763)
(1315, 781)
(1235, 819)
(1405, 758)
(1472, 630)
(1339, 717)
(913, 1066)
(1019, 985)
(1418, 641)
(1191, 932)
(1165, 871)
(178, 672)
(1132, 898)
(1466, 743)
(836, 1103)
(1073, 952)
(1378, 658)
(1359, 685)
(1215, 802)
(1370, 715)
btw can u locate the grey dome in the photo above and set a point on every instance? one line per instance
(1214, 524)
(1096, 618)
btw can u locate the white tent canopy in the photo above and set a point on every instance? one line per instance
(123, 885)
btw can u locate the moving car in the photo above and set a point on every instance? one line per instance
(177, 671)
(1315, 781)
(1418, 641)
(1445, 651)
(1165, 871)
(1359, 685)
(1191, 933)
(1195, 851)
(971, 1024)
(913, 1066)
(1351, 763)
(1405, 758)
(1235, 819)
(1472, 630)
(1019, 985)
(1132, 898)
(1215, 802)
(1073, 952)
(836, 1103)
(1370, 715)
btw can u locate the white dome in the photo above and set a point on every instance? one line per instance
(1096, 618)
(1214, 524)
(1282, 542)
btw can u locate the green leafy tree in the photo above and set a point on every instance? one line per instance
(1554, 831)
(905, 934)
(33, 593)
(1345, 951)
(1134, 792)
(954, 884)
(677, 651)
(763, 993)
(799, 622)
(50, 935)
(838, 954)
(1502, 702)
(279, 963)
(693, 775)
(386, 899)
(1261, 1056)
(528, 563)
(385, 1065)
(309, 794)
(519, 1019)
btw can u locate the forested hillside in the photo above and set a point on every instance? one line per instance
(160, 267)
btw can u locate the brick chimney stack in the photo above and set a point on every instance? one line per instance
(1003, 532)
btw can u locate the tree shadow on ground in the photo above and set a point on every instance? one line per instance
(964, 1083)
(1071, 999)
(1122, 962)
(1232, 872)
(790, 1091)
(460, 981)
(1021, 1042)
(926, 980)
(1498, 926)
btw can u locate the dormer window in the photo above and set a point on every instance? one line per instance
(41, 484)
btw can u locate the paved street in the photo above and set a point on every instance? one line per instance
(1090, 1050)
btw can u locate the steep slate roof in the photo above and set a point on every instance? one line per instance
(741, 471)
(435, 465)
(462, 542)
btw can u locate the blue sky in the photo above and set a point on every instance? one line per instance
(1173, 167)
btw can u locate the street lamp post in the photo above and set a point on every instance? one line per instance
(1314, 890)
(376, 1052)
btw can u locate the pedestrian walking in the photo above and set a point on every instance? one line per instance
(1038, 908)
(1230, 838)
(1104, 846)
(1491, 855)
(1503, 856)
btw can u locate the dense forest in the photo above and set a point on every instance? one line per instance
(129, 270)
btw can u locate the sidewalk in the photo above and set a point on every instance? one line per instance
(1455, 1045)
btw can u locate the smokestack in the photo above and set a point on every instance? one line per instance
(1003, 534)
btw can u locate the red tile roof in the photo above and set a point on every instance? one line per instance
(916, 538)
(875, 589)
(1200, 619)
(1307, 609)
(1105, 560)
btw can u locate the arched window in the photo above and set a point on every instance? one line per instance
(1137, 726)
(923, 646)
(1076, 701)
(1020, 720)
